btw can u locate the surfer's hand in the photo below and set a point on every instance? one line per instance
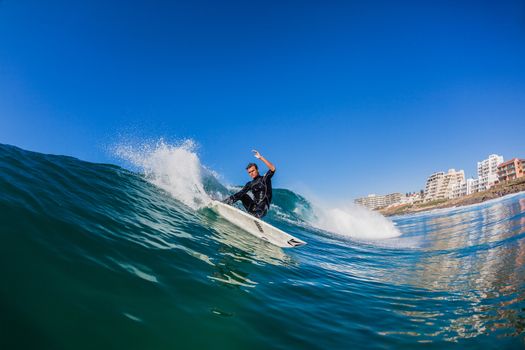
(256, 154)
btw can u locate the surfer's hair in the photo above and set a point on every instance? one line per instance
(250, 165)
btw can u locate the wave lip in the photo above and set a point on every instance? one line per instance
(174, 168)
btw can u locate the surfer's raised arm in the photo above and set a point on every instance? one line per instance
(265, 161)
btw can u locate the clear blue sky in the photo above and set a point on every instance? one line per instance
(346, 98)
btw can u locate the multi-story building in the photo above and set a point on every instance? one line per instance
(434, 183)
(488, 171)
(393, 198)
(371, 201)
(472, 186)
(465, 187)
(374, 201)
(459, 189)
(440, 185)
(510, 170)
(452, 178)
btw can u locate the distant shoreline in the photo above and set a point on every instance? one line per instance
(494, 192)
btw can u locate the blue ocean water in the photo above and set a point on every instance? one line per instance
(97, 256)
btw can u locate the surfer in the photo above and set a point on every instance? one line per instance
(260, 186)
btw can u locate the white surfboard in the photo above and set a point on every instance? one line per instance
(256, 227)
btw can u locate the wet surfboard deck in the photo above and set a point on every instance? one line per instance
(256, 226)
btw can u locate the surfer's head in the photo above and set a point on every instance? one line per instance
(252, 169)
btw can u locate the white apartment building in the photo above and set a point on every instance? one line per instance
(464, 188)
(451, 180)
(459, 189)
(488, 172)
(374, 201)
(371, 201)
(440, 185)
(434, 183)
(472, 186)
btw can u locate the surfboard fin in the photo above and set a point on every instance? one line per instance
(295, 243)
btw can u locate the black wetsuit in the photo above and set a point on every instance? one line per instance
(261, 187)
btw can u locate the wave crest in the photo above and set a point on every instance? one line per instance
(174, 168)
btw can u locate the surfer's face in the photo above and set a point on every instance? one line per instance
(253, 172)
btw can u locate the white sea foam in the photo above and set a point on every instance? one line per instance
(174, 168)
(353, 221)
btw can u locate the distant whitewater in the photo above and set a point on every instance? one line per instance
(101, 256)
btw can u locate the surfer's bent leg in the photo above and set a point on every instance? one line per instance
(248, 203)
